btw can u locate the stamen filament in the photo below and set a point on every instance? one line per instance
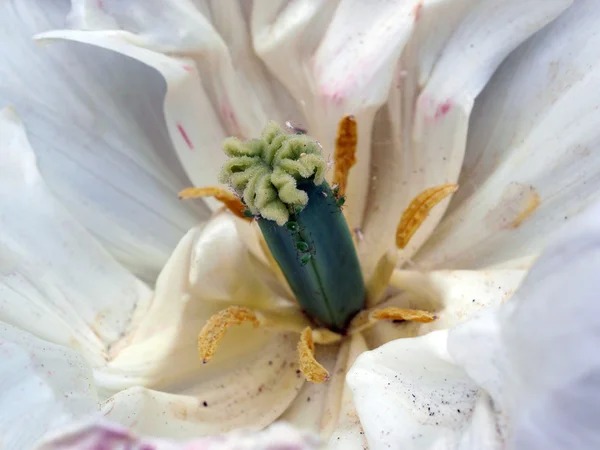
(309, 366)
(230, 201)
(345, 152)
(418, 210)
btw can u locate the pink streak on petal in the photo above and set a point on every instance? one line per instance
(229, 118)
(187, 67)
(443, 109)
(185, 136)
(417, 11)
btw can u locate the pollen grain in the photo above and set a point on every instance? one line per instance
(230, 200)
(418, 210)
(345, 152)
(411, 315)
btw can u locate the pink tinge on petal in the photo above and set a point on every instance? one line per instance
(417, 11)
(185, 136)
(443, 109)
(104, 435)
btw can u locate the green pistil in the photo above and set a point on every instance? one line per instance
(280, 179)
(264, 172)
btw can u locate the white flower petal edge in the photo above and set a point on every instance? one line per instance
(194, 129)
(454, 48)
(95, 122)
(537, 356)
(103, 434)
(56, 281)
(532, 158)
(44, 386)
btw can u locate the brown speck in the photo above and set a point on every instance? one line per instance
(205, 404)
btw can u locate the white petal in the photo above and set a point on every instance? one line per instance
(531, 161)
(455, 296)
(185, 103)
(97, 127)
(56, 281)
(252, 394)
(409, 394)
(420, 138)
(44, 386)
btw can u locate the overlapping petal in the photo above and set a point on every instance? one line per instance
(532, 159)
(523, 373)
(96, 124)
(56, 280)
(254, 374)
(421, 135)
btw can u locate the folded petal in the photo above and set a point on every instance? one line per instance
(420, 137)
(410, 394)
(97, 126)
(56, 281)
(531, 162)
(210, 270)
(254, 392)
(44, 386)
(226, 89)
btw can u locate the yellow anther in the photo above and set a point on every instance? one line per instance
(411, 315)
(345, 152)
(217, 325)
(233, 203)
(367, 318)
(311, 369)
(418, 210)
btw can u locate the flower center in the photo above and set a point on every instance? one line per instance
(278, 181)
